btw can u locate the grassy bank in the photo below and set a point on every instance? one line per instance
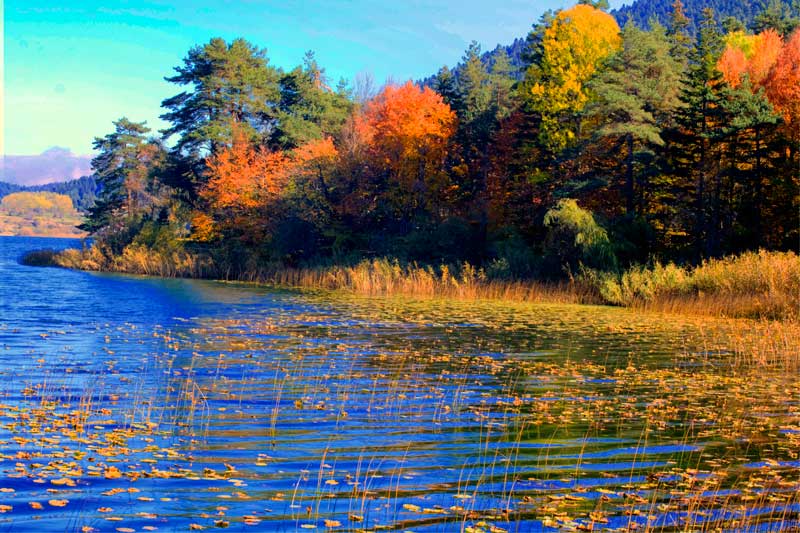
(754, 284)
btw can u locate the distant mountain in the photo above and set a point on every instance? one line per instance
(54, 164)
(81, 191)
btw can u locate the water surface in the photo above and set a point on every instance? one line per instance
(129, 404)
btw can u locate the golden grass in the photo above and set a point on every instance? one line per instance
(753, 285)
(759, 284)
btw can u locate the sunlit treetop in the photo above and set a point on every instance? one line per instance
(573, 47)
(750, 55)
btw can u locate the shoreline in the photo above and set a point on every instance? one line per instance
(384, 277)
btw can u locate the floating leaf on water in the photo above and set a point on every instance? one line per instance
(58, 503)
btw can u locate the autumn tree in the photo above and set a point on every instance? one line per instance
(407, 130)
(749, 55)
(244, 183)
(783, 83)
(571, 49)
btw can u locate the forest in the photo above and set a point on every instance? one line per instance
(612, 147)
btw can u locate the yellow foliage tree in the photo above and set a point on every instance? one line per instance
(573, 46)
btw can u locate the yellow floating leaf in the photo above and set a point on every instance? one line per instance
(58, 503)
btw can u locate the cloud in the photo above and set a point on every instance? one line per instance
(54, 164)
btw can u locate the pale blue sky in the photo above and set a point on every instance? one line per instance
(71, 67)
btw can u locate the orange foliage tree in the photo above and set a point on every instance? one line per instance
(783, 83)
(246, 183)
(407, 131)
(751, 55)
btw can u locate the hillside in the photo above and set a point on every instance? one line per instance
(750, 12)
(41, 214)
(642, 12)
(81, 191)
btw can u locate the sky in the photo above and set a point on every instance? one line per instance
(72, 67)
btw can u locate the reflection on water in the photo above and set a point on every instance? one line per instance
(139, 403)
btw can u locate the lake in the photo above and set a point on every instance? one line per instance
(142, 404)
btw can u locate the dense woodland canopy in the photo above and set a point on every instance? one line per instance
(610, 146)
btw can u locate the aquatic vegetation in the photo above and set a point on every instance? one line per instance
(350, 414)
(756, 285)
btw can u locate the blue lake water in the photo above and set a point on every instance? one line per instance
(143, 404)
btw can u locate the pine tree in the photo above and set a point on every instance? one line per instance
(445, 84)
(473, 81)
(231, 84)
(123, 168)
(678, 33)
(635, 96)
(699, 120)
(308, 108)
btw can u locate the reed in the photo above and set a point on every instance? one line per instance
(752, 285)
(759, 284)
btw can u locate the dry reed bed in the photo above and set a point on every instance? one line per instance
(753, 285)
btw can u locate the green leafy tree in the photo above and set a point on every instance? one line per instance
(574, 237)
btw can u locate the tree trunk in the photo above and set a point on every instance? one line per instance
(629, 190)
